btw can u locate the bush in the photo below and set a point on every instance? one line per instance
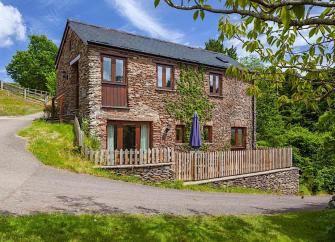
(326, 176)
(49, 111)
(311, 154)
(306, 142)
(85, 126)
(263, 143)
(93, 142)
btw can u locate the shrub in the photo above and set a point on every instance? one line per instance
(309, 154)
(326, 176)
(49, 111)
(91, 141)
(263, 143)
(304, 140)
(85, 125)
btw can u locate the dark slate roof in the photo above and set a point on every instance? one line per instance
(114, 38)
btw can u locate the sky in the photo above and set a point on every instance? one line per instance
(21, 18)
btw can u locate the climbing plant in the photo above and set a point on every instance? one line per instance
(191, 97)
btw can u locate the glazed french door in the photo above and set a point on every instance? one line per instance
(132, 135)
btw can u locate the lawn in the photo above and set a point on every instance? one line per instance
(13, 105)
(53, 144)
(302, 226)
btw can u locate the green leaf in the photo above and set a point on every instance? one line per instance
(325, 12)
(196, 15)
(285, 16)
(156, 3)
(202, 14)
(312, 32)
(299, 11)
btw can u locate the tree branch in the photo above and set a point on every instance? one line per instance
(316, 3)
(262, 15)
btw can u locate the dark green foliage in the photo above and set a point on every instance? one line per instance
(217, 46)
(192, 97)
(270, 124)
(35, 67)
(310, 132)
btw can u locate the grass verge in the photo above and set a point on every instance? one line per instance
(13, 105)
(53, 144)
(301, 226)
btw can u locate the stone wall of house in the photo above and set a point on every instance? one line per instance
(152, 173)
(66, 77)
(284, 181)
(147, 103)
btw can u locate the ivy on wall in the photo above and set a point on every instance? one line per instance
(191, 97)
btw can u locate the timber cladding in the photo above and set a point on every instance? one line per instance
(139, 99)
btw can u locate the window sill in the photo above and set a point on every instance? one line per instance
(115, 107)
(165, 90)
(216, 96)
(114, 83)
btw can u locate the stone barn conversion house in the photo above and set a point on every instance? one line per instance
(118, 81)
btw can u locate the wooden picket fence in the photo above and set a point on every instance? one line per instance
(123, 158)
(190, 166)
(129, 158)
(193, 166)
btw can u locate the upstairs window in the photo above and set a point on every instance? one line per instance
(113, 69)
(215, 84)
(238, 138)
(164, 76)
(180, 134)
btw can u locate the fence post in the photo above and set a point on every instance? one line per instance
(46, 99)
(1, 84)
(192, 159)
(25, 93)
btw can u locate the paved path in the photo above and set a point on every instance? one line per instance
(27, 186)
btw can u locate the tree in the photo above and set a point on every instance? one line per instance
(51, 83)
(296, 37)
(217, 46)
(252, 63)
(31, 68)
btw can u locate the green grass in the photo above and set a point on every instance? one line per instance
(53, 144)
(302, 226)
(13, 105)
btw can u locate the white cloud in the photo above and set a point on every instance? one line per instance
(136, 13)
(12, 26)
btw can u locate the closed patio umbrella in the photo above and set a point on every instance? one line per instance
(195, 137)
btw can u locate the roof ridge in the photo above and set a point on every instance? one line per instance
(142, 36)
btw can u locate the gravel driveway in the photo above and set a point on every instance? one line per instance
(27, 186)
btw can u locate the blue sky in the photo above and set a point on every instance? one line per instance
(21, 18)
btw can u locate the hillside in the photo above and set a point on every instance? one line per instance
(13, 105)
